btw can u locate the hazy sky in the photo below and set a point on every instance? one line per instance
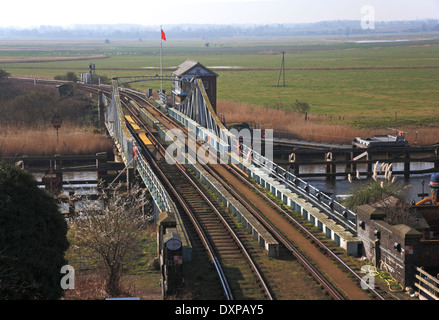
(162, 12)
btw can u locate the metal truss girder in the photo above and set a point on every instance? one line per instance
(197, 107)
(131, 79)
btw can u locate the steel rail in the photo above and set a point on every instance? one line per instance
(203, 237)
(303, 260)
(287, 243)
(320, 278)
(294, 221)
(202, 194)
(303, 229)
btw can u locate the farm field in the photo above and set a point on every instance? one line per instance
(364, 83)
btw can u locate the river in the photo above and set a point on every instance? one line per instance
(85, 188)
(341, 187)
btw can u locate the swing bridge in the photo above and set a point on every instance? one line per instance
(196, 113)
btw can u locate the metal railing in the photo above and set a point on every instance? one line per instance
(428, 285)
(116, 126)
(156, 188)
(317, 198)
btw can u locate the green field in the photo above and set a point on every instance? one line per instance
(337, 77)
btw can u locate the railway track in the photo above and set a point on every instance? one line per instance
(195, 204)
(241, 272)
(317, 274)
(299, 226)
(352, 291)
(238, 273)
(220, 172)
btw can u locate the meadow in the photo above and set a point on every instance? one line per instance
(350, 84)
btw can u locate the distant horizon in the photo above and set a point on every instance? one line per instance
(209, 24)
(27, 13)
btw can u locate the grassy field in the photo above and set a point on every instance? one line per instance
(366, 84)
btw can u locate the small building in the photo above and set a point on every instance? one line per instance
(190, 69)
(86, 78)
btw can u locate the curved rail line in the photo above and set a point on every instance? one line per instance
(226, 285)
(308, 265)
(333, 292)
(304, 230)
(316, 274)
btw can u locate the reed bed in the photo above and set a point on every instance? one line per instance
(317, 128)
(17, 141)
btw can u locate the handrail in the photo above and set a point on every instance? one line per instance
(117, 127)
(322, 201)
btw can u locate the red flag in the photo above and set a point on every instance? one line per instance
(163, 36)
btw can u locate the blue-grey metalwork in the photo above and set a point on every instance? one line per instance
(197, 107)
(318, 199)
(132, 79)
(125, 142)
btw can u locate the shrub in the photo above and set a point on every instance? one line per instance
(33, 238)
(371, 193)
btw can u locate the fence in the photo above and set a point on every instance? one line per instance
(428, 285)
(118, 129)
(320, 200)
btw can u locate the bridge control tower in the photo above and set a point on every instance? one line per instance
(191, 69)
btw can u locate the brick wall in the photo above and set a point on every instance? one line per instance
(392, 248)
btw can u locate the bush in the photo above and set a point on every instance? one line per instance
(33, 238)
(4, 74)
(300, 107)
(69, 76)
(371, 193)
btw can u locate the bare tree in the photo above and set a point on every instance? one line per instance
(111, 227)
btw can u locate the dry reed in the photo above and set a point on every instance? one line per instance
(16, 141)
(315, 128)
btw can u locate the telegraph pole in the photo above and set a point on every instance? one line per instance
(282, 69)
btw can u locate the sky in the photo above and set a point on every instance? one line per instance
(26, 13)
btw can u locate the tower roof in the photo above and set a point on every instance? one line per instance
(194, 68)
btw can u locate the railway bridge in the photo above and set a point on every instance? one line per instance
(147, 132)
(196, 114)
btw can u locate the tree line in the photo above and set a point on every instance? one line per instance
(205, 31)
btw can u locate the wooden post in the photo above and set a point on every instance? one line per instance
(330, 167)
(369, 164)
(407, 166)
(353, 165)
(348, 166)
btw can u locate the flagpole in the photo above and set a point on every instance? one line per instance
(161, 60)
